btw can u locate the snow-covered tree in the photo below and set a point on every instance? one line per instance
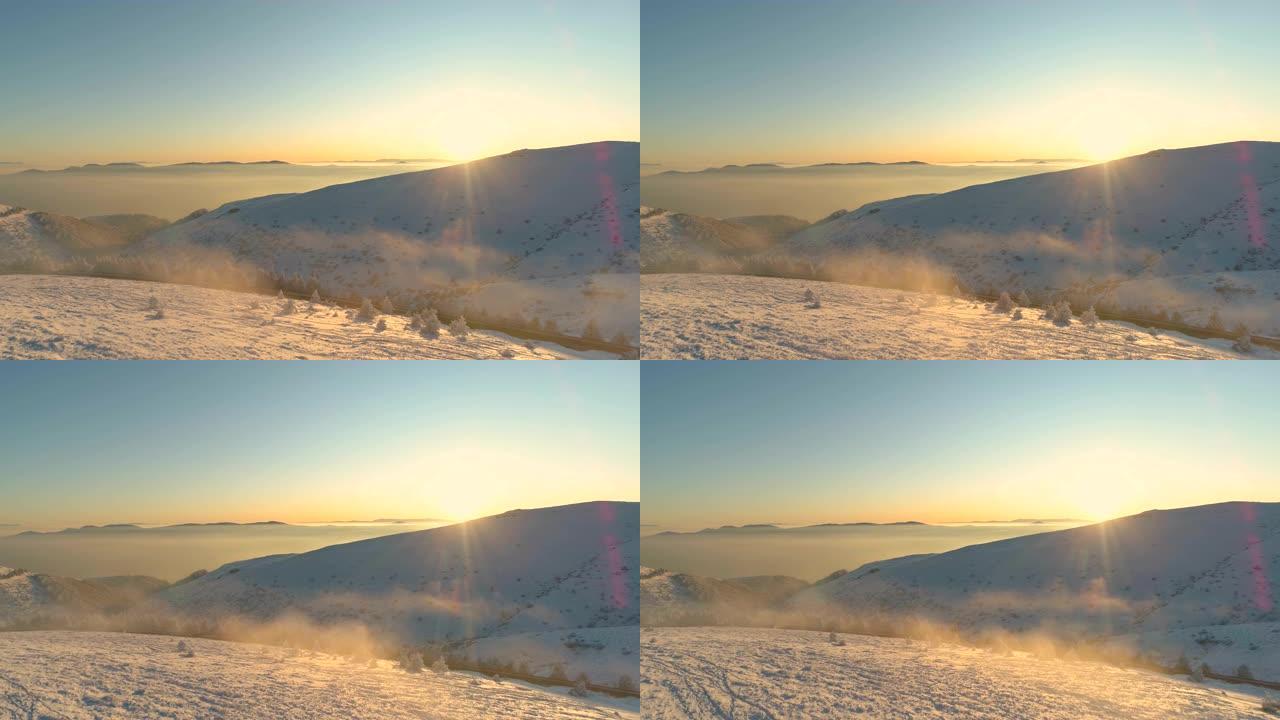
(1022, 298)
(280, 294)
(410, 660)
(289, 307)
(580, 686)
(367, 312)
(459, 327)
(1089, 317)
(1244, 672)
(1215, 320)
(811, 300)
(1017, 314)
(315, 296)
(153, 303)
(592, 331)
(382, 325)
(626, 683)
(1004, 304)
(1243, 343)
(440, 667)
(387, 306)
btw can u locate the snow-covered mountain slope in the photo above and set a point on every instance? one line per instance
(1160, 570)
(63, 317)
(703, 316)
(567, 567)
(26, 596)
(87, 676)
(1162, 214)
(131, 227)
(667, 597)
(731, 673)
(528, 216)
(672, 241)
(31, 237)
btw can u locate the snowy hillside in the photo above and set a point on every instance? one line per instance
(26, 596)
(28, 237)
(1164, 214)
(673, 242)
(62, 317)
(527, 571)
(731, 673)
(1162, 572)
(667, 597)
(145, 677)
(531, 216)
(700, 316)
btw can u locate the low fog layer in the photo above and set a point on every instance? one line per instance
(174, 552)
(813, 553)
(173, 191)
(812, 193)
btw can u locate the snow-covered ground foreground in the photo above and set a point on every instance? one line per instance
(767, 673)
(696, 316)
(116, 675)
(61, 317)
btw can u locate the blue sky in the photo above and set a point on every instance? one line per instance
(807, 442)
(160, 442)
(145, 80)
(812, 81)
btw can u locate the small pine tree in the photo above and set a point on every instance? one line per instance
(1004, 304)
(811, 300)
(1089, 317)
(367, 312)
(410, 660)
(557, 672)
(458, 327)
(1023, 299)
(580, 687)
(592, 331)
(440, 667)
(289, 307)
(381, 326)
(315, 296)
(1243, 343)
(620, 338)
(1244, 672)
(387, 306)
(626, 684)
(1017, 314)
(1215, 320)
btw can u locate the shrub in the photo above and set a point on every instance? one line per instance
(382, 325)
(626, 683)
(579, 687)
(1017, 314)
(1243, 343)
(459, 327)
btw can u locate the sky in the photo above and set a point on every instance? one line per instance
(808, 442)
(245, 80)
(741, 81)
(242, 441)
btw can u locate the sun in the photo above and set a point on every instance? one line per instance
(1103, 144)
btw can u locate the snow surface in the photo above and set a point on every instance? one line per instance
(727, 673)
(61, 317)
(704, 316)
(118, 675)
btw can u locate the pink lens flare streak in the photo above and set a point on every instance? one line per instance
(609, 197)
(619, 588)
(1252, 207)
(1262, 597)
